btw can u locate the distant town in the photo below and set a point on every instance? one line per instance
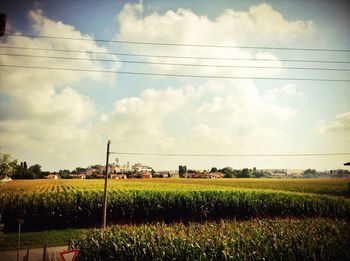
(138, 170)
(12, 169)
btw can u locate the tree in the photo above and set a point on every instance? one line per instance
(182, 171)
(245, 173)
(310, 173)
(228, 171)
(213, 170)
(259, 174)
(7, 165)
(35, 171)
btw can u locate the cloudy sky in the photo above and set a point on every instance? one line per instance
(63, 118)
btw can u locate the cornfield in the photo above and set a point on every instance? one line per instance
(83, 208)
(266, 239)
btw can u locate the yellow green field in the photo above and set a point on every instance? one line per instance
(147, 217)
(319, 186)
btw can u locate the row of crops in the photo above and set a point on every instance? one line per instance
(51, 210)
(266, 239)
(337, 187)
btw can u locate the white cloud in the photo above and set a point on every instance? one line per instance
(43, 117)
(229, 28)
(285, 91)
(341, 124)
(44, 112)
(216, 117)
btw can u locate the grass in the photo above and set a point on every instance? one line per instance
(38, 239)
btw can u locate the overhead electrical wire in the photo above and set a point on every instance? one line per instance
(177, 75)
(174, 64)
(171, 56)
(233, 155)
(179, 44)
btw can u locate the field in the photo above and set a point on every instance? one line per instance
(164, 207)
(338, 187)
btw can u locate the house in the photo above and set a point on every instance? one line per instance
(278, 175)
(146, 175)
(138, 167)
(78, 176)
(118, 176)
(52, 176)
(161, 174)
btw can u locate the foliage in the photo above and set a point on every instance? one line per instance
(266, 239)
(7, 165)
(245, 173)
(310, 173)
(83, 208)
(327, 186)
(23, 172)
(182, 171)
(228, 171)
(213, 169)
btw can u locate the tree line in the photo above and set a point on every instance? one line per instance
(10, 168)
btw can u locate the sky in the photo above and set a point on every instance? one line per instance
(63, 119)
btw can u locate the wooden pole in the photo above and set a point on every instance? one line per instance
(104, 211)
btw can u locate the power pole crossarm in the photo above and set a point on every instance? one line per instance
(104, 210)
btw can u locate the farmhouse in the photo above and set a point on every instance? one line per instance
(52, 176)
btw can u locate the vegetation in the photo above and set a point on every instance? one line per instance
(50, 210)
(39, 239)
(336, 187)
(7, 165)
(266, 239)
(265, 218)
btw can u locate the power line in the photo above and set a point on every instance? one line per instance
(233, 155)
(180, 44)
(172, 57)
(176, 75)
(176, 64)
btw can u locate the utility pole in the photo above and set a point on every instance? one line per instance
(2, 24)
(104, 211)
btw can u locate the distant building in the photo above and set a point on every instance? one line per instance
(52, 176)
(78, 176)
(279, 175)
(118, 176)
(138, 167)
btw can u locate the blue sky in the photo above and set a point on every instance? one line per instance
(63, 119)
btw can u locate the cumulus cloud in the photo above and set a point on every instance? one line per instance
(284, 91)
(341, 124)
(41, 110)
(229, 28)
(216, 117)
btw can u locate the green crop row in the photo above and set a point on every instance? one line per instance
(83, 209)
(266, 239)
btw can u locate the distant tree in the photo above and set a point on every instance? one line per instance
(245, 173)
(35, 171)
(258, 174)
(310, 173)
(7, 165)
(182, 171)
(80, 170)
(228, 171)
(213, 170)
